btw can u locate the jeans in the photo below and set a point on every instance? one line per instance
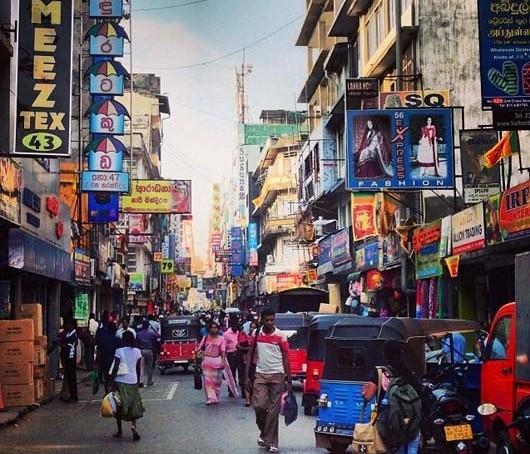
(412, 447)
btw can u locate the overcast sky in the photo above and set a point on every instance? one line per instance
(200, 135)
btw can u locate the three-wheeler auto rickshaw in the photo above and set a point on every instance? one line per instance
(319, 327)
(180, 338)
(296, 326)
(506, 369)
(354, 348)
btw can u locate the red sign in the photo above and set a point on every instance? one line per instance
(286, 281)
(514, 212)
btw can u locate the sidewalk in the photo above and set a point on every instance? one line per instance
(13, 414)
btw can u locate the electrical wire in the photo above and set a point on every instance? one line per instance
(229, 54)
(178, 5)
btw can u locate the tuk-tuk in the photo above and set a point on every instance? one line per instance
(505, 390)
(180, 338)
(354, 349)
(295, 325)
(319, 327)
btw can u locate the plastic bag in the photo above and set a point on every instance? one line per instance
(110, 404)
(289, 407)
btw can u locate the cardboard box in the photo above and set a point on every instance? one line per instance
(40, 357)
(33, 312)
(18, 395)
(16, 374)
(16, 330)
(17, 352)
(40, 371)
(40, 388)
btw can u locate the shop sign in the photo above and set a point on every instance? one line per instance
(138, 229)
(504, 65)
(167, 266)
(105, 161)
(479, 182)
(511, 120)
(367, 256)
(340, 248)
(183, 265)
(81, 307)
(82, 267)
(414, 99)
(136, 281)
(10, 186)
(157, 257)
(158, 196)
(44, 83)
(104, 181)
(514, 213)
(103, 207)
(105, 9)
(389, 251)
(452, 265)
(426, 242)
(253, 244)
(491, 214)
(363, 215)
(286, 281)
(324, 256)
(400, 149)
(359, 89)
(468, 230)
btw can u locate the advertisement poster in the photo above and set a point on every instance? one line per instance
(324, 256)
(468, 230)
(400, 149)
(81, 307)
(340, 248)
(367, 256)
(10, 186)
(103, 207)
(44, 64)
(389, 255)
(491, 215)
(427, 248)
(414, 99)
(363, 215)
(138, 225)
(514, 212)
(479, 182)
(136, 281)
(158, 196)
(504, 57)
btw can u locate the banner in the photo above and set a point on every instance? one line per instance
(158, 196)
(363, 215)
(426, 242)
(44, 82)
(468, 230)
(400, 149)
(504, 58)
(479, 183)
(10, 186)
(514, 212)
(414, 99)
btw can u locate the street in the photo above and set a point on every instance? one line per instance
(176, 421)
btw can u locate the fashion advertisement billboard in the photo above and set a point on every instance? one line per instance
(400, 149)
(158, 196)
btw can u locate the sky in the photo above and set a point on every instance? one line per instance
(200, 135)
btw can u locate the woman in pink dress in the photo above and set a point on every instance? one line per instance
(213, 363)
(428, 149)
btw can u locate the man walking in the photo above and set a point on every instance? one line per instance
(273, 375)
(124, 327)
(146, 339)
(231, 336)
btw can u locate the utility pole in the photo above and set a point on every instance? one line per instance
(242, 104)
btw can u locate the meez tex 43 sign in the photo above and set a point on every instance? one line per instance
(44, 78)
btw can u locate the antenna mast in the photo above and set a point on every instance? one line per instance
(242, 101)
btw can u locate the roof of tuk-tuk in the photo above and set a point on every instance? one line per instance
(398, 328)
(325, 321)
(190, 319)
(292, 319)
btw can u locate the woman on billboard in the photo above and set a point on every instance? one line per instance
(373, 157)
(428, 149)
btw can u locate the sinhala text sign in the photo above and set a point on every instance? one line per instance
(44, 78)
(400, 149)
(158, 196)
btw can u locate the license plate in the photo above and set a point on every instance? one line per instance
(457, 433)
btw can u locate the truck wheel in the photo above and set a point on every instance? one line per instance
(308, 410)
(504, 446)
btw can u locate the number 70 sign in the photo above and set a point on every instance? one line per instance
(167, 266)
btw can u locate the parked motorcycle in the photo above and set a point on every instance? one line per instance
(447, 425)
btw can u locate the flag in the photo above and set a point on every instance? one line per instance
(507, 146)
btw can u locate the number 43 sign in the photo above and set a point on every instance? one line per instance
(167, 266)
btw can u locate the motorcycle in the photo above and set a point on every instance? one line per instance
(447, 423)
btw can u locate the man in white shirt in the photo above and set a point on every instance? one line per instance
(125, 327)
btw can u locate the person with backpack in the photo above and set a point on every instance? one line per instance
(399, 405)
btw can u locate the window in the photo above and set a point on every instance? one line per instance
(351, 358)
(498, 344)
(376, 29)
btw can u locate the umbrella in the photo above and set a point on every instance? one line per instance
(108, 30)
(108, 107)
(107, 68)
(107, 144)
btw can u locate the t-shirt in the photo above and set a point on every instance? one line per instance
(269, 350)
(146, 338)
(129, 356)
(230, 340)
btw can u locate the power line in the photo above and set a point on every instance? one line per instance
(234, 52)
(178, 5)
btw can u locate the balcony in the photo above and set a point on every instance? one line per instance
(314, 78)
(359, 7)
(344, 23)
(314, 10)
(277, 226)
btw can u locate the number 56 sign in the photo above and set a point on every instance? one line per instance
(167, 266)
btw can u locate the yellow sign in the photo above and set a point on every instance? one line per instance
(158, 196)
(452, 264)
(167, 266)
(158, 257)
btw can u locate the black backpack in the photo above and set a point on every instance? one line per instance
(398, 422)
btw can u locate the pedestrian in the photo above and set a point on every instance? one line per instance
(90, 341)
(126, 383)
(125, 327)
(213, 349)
(272, 378)
(67, 341)
(107, 343)
(231, 339)
(146, 339)
(243, 347)
(395, 373)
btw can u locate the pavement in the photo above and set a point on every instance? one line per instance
(176, 421)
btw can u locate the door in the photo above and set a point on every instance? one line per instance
(498, 370)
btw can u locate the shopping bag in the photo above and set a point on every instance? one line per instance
(366, 439)
(290, 408)
(197, 378)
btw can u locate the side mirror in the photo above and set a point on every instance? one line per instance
(486, 409)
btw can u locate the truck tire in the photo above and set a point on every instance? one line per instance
(504, 446)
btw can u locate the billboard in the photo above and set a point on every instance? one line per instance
(44, 82)
(479, 182)
(158, 196)
(514, 211)
(400, 149)
(426, 242)
(467, 230)
(504, 57)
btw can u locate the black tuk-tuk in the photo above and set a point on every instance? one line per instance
(180, 338)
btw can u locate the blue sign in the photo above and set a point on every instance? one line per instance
(110, 161)
(103, 207)
(504, 54)
(107, 9)
(101, 84)
(400, 149)
(324, 256)
(109, 47)
(253, 244)
(367, 256)
(107, 124)
(104, 181)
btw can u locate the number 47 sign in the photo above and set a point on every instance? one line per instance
(167, 266)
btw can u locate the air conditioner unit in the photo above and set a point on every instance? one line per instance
(92, 268)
